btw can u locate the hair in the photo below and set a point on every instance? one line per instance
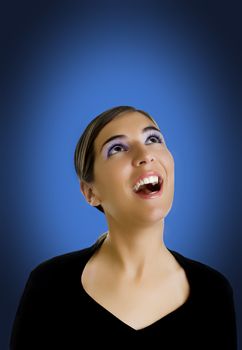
(84, 156)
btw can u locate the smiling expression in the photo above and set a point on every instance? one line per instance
(129, 146)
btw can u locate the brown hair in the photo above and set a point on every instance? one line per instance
(84, 156)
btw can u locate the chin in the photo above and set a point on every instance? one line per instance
(151, 216)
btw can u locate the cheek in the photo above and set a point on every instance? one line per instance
(119, 177)
(110, 180)
(171, 161)
(168, 162)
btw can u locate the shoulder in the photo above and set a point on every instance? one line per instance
(204, 275)
(213, 298)
(68, 260)
(61, 267)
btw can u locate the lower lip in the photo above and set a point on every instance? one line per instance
(151, 195)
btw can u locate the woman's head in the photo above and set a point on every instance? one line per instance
(103, 172)
(84, 156)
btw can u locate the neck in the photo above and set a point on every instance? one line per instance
(135, 251)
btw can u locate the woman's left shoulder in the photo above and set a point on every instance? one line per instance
(204, 273)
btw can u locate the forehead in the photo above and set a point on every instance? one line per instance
(128, 124)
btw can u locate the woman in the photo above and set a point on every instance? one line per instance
(128, 284)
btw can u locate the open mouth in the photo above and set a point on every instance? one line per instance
(148, 189)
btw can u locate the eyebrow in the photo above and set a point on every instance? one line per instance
(147, 128)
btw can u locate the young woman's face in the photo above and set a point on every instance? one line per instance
(119, 162)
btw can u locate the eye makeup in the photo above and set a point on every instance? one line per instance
(118, 142)
(147, 128)
(115, 143)
(157, 135)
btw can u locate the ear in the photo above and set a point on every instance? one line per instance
(88, 192)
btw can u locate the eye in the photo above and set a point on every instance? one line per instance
(119, 146)
(155, 137)
(116, 146)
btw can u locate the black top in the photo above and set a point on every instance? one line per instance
(56, 312)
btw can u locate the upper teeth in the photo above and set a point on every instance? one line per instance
(147, 180)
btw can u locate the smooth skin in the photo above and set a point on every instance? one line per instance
(133, 275)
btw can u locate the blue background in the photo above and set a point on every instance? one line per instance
(64, 63)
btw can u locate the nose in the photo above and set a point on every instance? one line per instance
(143, 156)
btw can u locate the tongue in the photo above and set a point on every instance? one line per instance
(146, 190)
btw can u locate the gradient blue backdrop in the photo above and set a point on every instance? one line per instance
(64, 63)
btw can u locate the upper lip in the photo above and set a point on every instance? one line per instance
(147, 174)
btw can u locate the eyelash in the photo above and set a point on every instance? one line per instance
(121, 145)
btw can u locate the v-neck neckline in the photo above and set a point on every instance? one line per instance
(171, 315)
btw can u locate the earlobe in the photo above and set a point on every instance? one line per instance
(83, 188)
(87, 191)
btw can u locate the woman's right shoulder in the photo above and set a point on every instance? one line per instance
(61, 267)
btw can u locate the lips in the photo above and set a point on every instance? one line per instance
(152, 194)
(147, 174)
